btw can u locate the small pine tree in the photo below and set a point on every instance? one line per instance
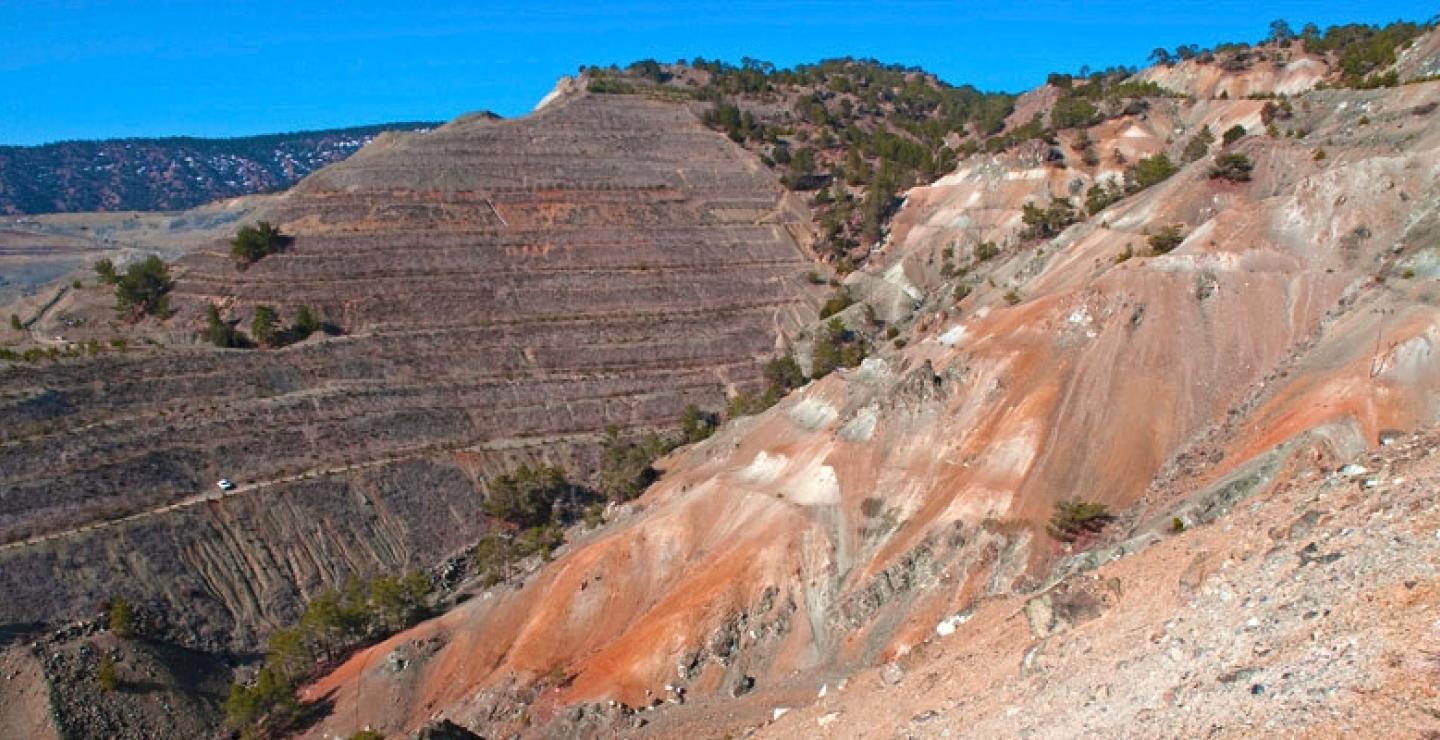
(1199, 145)
(1235, 167)
(15, 323)
(305, 322)
(1149, 171)
(1167, 239)
(220, 333)
(252, 243)
(143, 287)
(696, 424)
(105, 674)
(122, 618)
(1233, 134)
(262, 326)
(105, 269)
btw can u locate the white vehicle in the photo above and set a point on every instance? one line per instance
(225, 484)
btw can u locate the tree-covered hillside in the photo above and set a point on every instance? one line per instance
(169, 173)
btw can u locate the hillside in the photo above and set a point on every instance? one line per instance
(836, 532)
(1119, 418)
(500, 291)
(169, 174)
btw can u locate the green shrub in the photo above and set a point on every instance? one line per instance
(1166, 239)
(218, 332)
(838, 302)
(332, 624)
(985, 251)
(697, 424)
(105, 673)
(267, 703)
(625, 467)
(1234, 167)
(1045, 223)
(781, 375)
(306, 323)
(253, 243)
(1073, 112)
(1199, 145)
(1102, 195)
(15, 323)
(1149, 171)
(121, 618)
(527, 495)
(835, 346)
(1073, 519)
(143, 288)
(1232, 135)
(263, 326)
(784, 373)
(105, 269)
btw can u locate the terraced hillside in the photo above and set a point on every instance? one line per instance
(507, 290)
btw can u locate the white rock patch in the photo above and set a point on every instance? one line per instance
(952, 336)
(812, 414)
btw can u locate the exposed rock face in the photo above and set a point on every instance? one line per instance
(1232, 630)
(886, 499)
(508, 290)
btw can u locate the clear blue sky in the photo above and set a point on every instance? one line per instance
(90, 69)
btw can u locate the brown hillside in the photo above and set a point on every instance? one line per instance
(507, 291)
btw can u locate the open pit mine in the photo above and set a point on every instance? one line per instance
(1155, 462)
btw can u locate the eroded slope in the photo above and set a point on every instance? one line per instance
(1295, 319)
(507, 291)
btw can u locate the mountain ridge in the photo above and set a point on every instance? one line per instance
(169, 173)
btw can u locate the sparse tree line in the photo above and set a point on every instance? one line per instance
(834, 346)
(88, 348)
(266, 328)
(536, 503)
(858, 132)
(1046, 222)
(1360, 50)
(334, 623)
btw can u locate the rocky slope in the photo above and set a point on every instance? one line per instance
(1293, 326)
(507, 290)
(168, 174)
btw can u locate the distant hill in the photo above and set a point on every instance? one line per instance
(168, 173)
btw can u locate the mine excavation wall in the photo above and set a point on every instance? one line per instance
(506, 291)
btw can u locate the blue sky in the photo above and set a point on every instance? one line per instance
(91, 69)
